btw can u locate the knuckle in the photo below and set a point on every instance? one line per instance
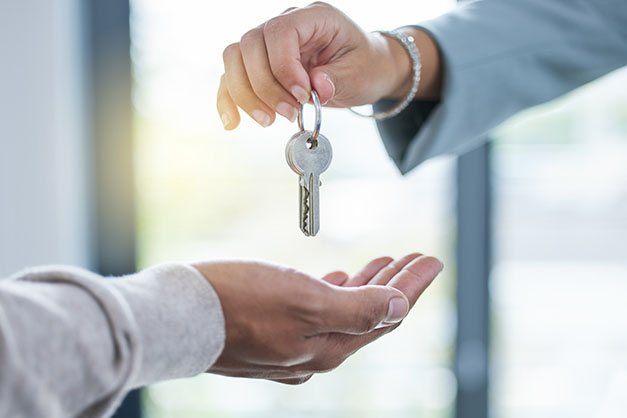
(414, 271)
(262, 87)
(230, 51)
(289, 9)
(369, 319)
(326, 7)
(275, 25)
(312, 304)
(390, 270)
(249, 38)
(313, 299)
(424, 268)
(283, 71)
(321, 4)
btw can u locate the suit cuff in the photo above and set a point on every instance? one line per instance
(399, 131)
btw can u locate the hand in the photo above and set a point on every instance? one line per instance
(284, 325)
(275, 65)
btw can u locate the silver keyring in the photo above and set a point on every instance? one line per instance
(317, 122)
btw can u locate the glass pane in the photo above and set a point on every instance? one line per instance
(205, 193)
(560, 282)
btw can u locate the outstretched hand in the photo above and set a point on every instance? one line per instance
(284, 325)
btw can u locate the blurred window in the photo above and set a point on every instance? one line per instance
(559, 285)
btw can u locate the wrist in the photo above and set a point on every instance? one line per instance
(400, 68)
(431, 72)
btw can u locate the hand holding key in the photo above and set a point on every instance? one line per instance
(276, 64)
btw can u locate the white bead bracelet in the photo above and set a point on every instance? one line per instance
(414, 54)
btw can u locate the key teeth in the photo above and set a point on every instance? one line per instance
(306, 211)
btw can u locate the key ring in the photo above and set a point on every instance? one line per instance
(317, 122)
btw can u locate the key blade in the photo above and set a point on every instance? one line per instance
(314, 203)
(303, 194)
(309, 212)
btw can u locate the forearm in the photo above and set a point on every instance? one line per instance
(72, 343)
(498, 57)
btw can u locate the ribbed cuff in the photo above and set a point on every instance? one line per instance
(180, 321)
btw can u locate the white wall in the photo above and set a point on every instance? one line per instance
(43, 202)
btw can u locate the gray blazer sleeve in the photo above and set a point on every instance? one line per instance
(502, 56)
(72, 343)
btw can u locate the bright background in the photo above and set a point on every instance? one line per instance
(560, 281)
(558, 286)
(205, 193)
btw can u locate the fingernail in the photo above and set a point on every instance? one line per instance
(294, 115)
(300, 94)
(287, 110)
(397, 310)
(326, 77)
(261, 117)
(225, 119)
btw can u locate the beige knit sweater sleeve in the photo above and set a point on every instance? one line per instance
(73, 343)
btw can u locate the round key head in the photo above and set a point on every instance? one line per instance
(289, 152)
(309, 156)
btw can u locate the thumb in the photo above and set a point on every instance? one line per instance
(344, 82)
(359, 310)
(337, 81)
(337, 278)
(322, 79)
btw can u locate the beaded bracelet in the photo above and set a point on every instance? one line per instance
(414, 54)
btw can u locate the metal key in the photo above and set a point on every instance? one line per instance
(310, 159)
(309, 154)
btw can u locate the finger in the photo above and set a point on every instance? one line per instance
(282, 43)
(364, 275)
(323, 80)
(240, 89)
(412, 280)
(416, 276)
(274, 373)
(335, 348)
(384, 275)
(289, 9)
(337, 278)
(265, 86)
(344, 345)
(226, 107)
(294, 381)
(358, 310)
